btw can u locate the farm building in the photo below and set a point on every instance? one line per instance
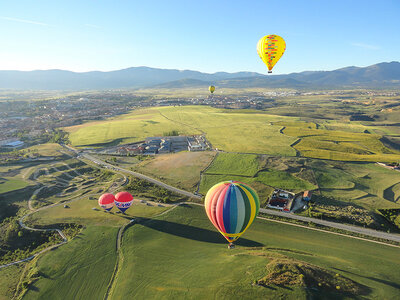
(282, 200)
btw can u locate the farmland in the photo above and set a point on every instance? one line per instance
(299, 143)
(242, 131)
(204, 267)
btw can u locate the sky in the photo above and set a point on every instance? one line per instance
(207, 36)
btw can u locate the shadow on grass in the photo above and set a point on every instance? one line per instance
(387, 282)
(109, 144)
(193, 233)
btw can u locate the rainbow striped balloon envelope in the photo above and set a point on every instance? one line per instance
(231, 206)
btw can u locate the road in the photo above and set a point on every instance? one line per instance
(141, 176)
(355, 229)
(135, 174)
(350, 228)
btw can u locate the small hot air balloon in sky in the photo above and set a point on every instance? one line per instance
(211, 88)
(106, 201)
(123, 200)
(231, 206)
(270, 48)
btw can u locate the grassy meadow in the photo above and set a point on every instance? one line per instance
(80, 269)
(200, 265)
(226, 130)
(245, 131)
(9, 278)
(178, 169)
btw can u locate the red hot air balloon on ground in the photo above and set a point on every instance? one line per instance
(123, 200)
(106, 201)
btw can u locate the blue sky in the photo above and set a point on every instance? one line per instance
(207, 36)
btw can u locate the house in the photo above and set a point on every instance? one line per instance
(282, 200)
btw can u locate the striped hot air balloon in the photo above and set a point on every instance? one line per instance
(106, 201)
(231, 206)
(123, 200)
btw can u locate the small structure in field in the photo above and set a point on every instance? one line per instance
(281, 199)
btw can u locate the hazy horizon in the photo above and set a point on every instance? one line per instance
(208, 37)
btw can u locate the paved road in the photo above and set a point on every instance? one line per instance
(141, 176)
(356, 229)
(138, 175)
(350, 228)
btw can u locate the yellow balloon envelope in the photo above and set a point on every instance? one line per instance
(211, 88)
(270, 48)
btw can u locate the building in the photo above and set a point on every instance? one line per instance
(151, 150)
(282, 200)
(196, 143)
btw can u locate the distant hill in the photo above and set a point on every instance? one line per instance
(382, 75)
(126, 78)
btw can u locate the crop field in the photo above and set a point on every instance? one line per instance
(235, 132)
(234, 164)
(242, 131)
(200, 265)
(125, 129)
(178, 169)
(254, 170)
(340, 145)
(365, 184)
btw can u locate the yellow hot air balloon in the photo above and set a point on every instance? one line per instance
(211, 88)
(270, 48)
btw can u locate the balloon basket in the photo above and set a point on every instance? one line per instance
(231, 246)
(269, 71)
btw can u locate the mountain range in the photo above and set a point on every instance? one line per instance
(381, 75)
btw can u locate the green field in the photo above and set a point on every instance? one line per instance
(340, 145)
(234, 164)
(244, 131)
(81, 212)
(9, 278)
(178, 169)
(365, 184)
(256, 170)
(79, 270)
(8, 184)
(200, 266)
(228, 131)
